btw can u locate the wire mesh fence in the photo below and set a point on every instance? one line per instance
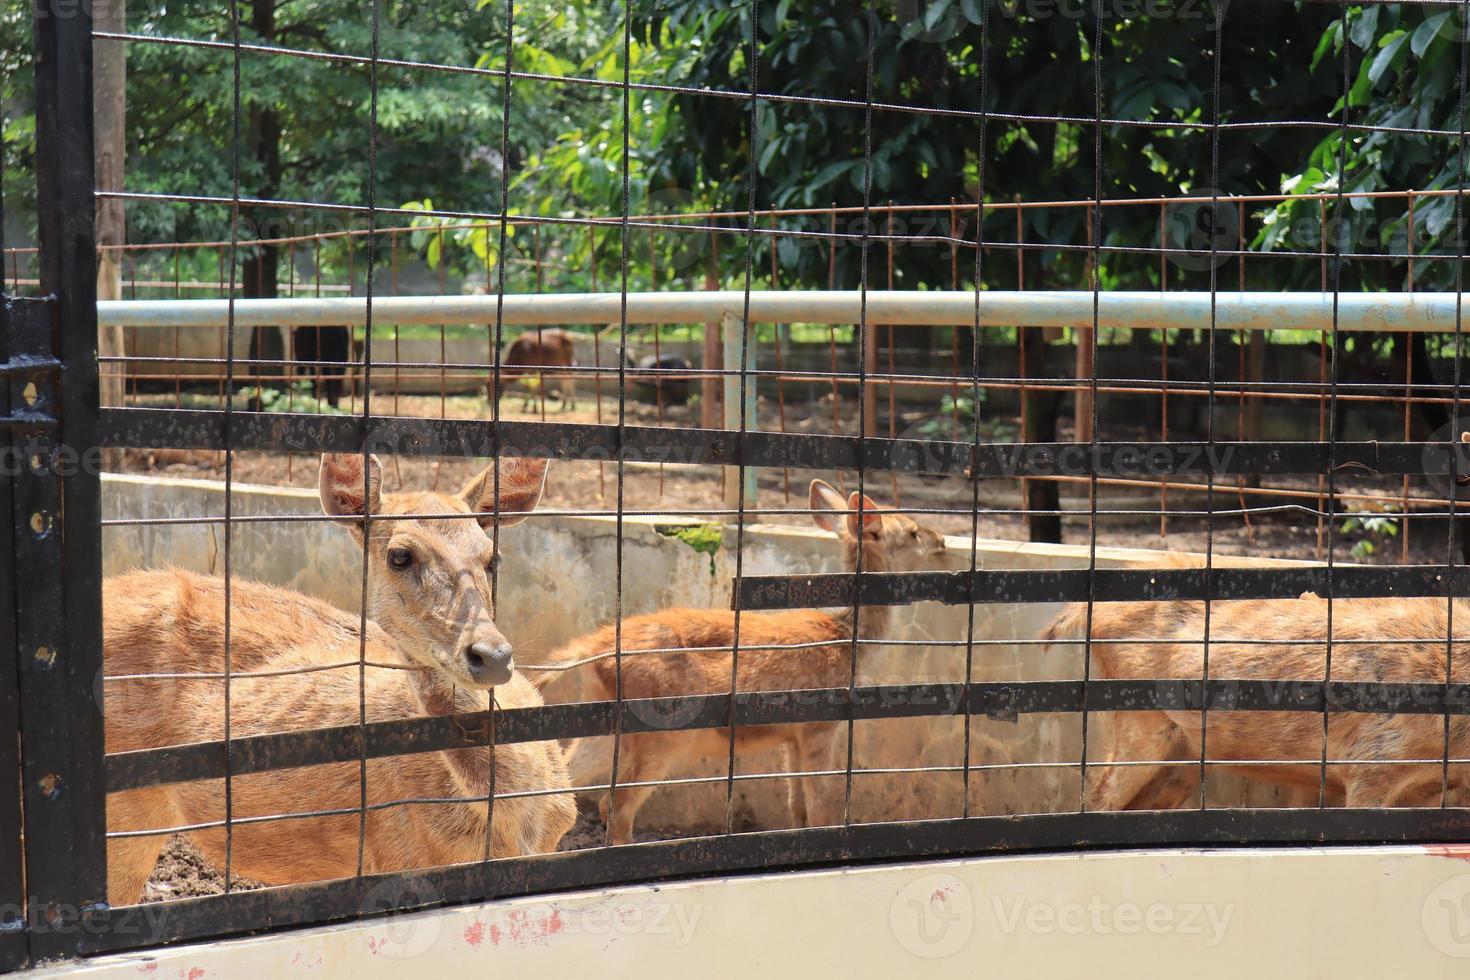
(375, 745)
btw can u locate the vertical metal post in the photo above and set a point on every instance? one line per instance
(13, 951)
(737, 352)
(710, 388)
(55, 517)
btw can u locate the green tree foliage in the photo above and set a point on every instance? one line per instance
(1404, 63)
(1156, 68)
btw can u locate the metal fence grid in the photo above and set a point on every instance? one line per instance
(51, 400)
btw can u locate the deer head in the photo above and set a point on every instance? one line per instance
(429, 577)
(889, 541)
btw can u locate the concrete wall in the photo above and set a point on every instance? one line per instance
(557, 583)
(1308, 912)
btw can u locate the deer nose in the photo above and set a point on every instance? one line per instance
(489, 664)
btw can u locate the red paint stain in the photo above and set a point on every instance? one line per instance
(195, 973)
(523, 928)
(1458, 852)
(148, 968)
(474, 934)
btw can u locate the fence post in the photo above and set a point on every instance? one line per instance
(709, 385)
(736, 351)
(56, 510)
(13, 952)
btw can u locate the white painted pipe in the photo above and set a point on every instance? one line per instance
(1376, 312)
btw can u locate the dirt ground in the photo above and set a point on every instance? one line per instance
(182, 872)
(1288, 530)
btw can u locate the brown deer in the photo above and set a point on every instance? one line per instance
(1365, 751)
(888, 541)
(549, 347)
(431, 623)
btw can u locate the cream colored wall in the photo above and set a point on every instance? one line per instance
(557, 583)
(1340, 913)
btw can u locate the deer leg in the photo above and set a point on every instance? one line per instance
(817, 751)
(568, 394)
(1385, 786)
(1147, 736)
(130, 862)
(795, 786)
(640, 761)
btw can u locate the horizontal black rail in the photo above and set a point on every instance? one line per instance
(218, 915)
(763, 592)
(169, 428)
(1001, 700)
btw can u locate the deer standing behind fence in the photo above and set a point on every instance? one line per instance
(1373, 640)
(430, 612)
(888, 541)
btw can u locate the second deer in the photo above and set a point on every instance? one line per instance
(431, 622)
(1369, 754)
(887, 541)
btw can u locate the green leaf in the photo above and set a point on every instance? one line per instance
(1364, 27)
(1391, 45)
(1426, 32)
(1329, 40)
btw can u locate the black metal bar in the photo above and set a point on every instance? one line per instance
(768, 851)
(57, 534)
(1111, 585)
(1002, 700)
(14, 952)
(280, 432)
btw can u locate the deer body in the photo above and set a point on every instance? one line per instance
(173, 622)
(1359, 739)
(888, 542)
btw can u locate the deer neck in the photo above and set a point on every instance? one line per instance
(437, 697)
(871, 621)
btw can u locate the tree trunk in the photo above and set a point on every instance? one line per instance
(260, 269)
(1039, 411)
(109, 76)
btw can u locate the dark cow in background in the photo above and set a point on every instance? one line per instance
(330, 348)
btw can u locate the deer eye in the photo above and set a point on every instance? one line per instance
(399, 558)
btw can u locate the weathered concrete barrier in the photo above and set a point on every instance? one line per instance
(557, 583)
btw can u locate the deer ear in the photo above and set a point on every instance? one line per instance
(342, 487)
(824, 497)
(521, 484)
(872, 526)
